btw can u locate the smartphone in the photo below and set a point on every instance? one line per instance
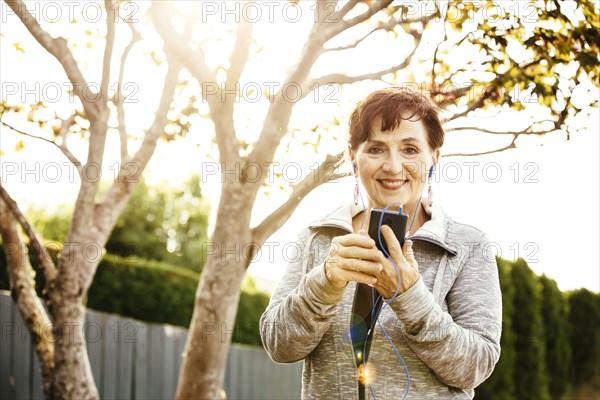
(394, 219)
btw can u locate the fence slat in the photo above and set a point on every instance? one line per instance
(233, 373)
(141, 363)
(169, 381)
(21, 359)
(6, 345)
(93, 332)
(227, 379)
(36, 387)
(129, 337)
(111, 340)
(181, 341)
(156, 361)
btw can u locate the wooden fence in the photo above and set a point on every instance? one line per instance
(136, 360)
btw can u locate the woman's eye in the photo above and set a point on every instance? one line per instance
(411, 150)
(374, 150)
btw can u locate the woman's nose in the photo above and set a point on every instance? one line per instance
(393, 164)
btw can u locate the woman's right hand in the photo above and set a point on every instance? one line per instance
(353, 257)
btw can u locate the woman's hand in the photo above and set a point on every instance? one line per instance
(387, 279)
(353, 257)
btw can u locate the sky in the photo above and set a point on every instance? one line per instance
(538, 202)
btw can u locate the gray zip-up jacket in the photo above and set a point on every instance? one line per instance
(446, 326)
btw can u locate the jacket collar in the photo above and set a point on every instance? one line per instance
(433, 231)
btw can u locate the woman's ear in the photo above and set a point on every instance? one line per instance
(436, 156)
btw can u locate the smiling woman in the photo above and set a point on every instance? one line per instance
(425, 320)
(394, 140)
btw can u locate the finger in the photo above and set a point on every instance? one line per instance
(360, 252)
(357, 277)
(354, 239)
(363, 266)
(392, 243)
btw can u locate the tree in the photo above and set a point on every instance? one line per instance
(501, 382)
(506, 55)
(555, 314)
(530, 377)
(584, 319)
(65, 367)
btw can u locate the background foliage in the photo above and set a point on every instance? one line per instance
(541, 328)
(160, 222)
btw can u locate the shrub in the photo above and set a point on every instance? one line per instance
(156, 292)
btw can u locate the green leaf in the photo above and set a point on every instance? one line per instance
(18, 47)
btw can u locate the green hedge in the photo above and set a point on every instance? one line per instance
(146, 290)
(156, 292)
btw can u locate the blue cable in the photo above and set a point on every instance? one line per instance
(395, 293)
(397, 288)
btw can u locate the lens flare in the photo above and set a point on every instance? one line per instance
(365, 374)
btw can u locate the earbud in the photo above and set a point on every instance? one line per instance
(431, 170)
(354, 167)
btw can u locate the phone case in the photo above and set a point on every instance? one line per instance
(395, 220)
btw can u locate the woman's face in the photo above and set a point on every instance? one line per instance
(394, 165)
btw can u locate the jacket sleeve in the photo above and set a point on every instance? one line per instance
(462, 346)
(300, 310)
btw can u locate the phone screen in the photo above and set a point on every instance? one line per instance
(391, 218)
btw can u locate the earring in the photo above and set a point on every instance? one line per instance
(429, 189)
(430, 193)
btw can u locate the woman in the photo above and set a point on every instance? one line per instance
(425, 323)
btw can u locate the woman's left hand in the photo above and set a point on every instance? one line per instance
(387, 280)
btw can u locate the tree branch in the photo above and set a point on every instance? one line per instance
(346, 8)
(277, 119)
(343, 25)
(109, 209)
(278, 116)
(221, 112)
(62, 147)
(512, 145)
(59, 49)
(355, 43)
(527, 131)
(108, 49)
(22, 286)
(46, 264)
(326, 172)
(474, 105)
(119, 101)
(437, 49)
(239, 56)
(346, 79)
(177, 44)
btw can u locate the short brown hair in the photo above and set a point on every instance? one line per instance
(391, 104)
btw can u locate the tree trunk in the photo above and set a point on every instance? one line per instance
(217, 298)
(22, 287)
(73, 377)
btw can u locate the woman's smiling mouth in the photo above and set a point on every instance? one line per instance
(392, 184)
